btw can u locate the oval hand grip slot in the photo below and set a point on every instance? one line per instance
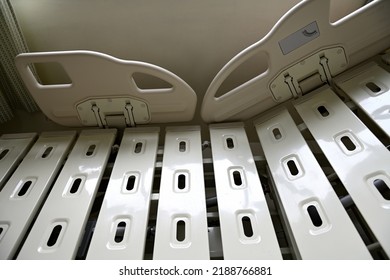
(75, 186)
(130, 183)
(347, 142)
(120, 232)
(323, 111)
(138, 147)
(314, 216)
(292, 167)
(180, 231)
(24, 189)
(237, 178)
(54, 236)
(277, 134)
(247, 226)
(230, 143)
(3, 153)
(181, 182)
(182, 146)
(373, 87)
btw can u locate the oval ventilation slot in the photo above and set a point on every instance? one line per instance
(3, 153)
(130, 183)
(180, 231)
(120, 232)
(347, 142)
(138, 147)
(75, 186)
(47, 152)
(314, 216)
(24, 189)
(181, 182)
(229, 143)
(247, 226)
(277, 134)
(237, 178)
(383, 188)
(373, 87)
(182, 146)
(54, 235)
(292, 167)
(90, 150)
(323, 111)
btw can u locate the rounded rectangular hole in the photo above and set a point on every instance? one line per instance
(383, 188)
(349, 145)
(180, 231)
(145, 81)
(323, 111)
(47, 152)
(50, 73)
(230, 143)
(182, 146)
(181, 181)
(138, 147)
(120, 232)
(277, 134)
(75, 186)
(24, 189)
(3, 153)
(54, 236)
(91, 150)
(292, 167)
(314, 216)
(130, 183)
(373, 87)
(237, 178)
(247, 226)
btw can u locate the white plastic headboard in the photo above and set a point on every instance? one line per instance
(361, 35)
(96, 76)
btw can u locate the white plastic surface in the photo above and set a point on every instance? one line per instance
(246, 226)
(21, 197)
(375, 102)
(181, 229)
(127, 203)
(12, 149)
(358, 162)
(332, 236)
(58, 230)
(95, 75)
(254, 96)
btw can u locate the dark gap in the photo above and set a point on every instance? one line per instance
(90, 150)
(130, 183)
(181, 182)
(1, 230)
(348, 143)
(292, 167)
(373, 87)
(47, 152)
(180, 231)
(182, 146)
(25, 188)
(230, 143)
(54, 235)
(277, 133)
(138, 148)
(75, 186)
(383, 188)
(323, 111)
(120, 232)
(237, 178)
(314, 216)
(247, 226)
(3, 153)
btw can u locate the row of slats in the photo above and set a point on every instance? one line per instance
(318, 224)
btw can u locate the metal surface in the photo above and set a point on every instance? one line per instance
(181, 229)
(58, 230)
(319, 224)
(21, 197)
(126, 203)
(13, 147)
(246, 226)
(356, 155)
(369, 88)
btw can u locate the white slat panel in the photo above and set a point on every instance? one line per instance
(319, 223)
(370, 90)
(246, 226)
(21, 197)
(181, 229)
(12, 149)
(358, 157)
(121, 228)
(59, 227)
